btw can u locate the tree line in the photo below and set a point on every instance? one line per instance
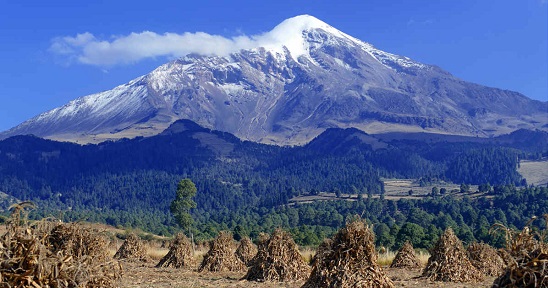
(130, 183)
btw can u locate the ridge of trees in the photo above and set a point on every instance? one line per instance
(243, 186)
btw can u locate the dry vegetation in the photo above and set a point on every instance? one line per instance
(449, 263)
(222, 255)
(348, 259)
(527, 256)
(53, 254)
(277, 259)
(406, 258)
(142, 276)
(485, 258)
(246, 250)
(179, 254)
(133, 249)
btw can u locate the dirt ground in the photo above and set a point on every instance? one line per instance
(145, 275)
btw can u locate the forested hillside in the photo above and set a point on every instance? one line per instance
(130, 183)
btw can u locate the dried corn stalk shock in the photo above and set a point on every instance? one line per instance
(39, 256)
(246, 250)
(348, 259)
(528, 257)
(277, 259)
(485, 258)
(449, 263)
(406, 258)
(78, 241)
(222, 255)
(133, 249)
(179, 255)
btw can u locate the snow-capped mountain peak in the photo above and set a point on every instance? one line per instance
(299, 35)
(289, 34)
(286, 87)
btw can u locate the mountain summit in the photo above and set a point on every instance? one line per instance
(303, 77)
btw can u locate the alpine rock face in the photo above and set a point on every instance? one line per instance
(309, 78)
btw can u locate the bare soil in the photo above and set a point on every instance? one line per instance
(145, 275)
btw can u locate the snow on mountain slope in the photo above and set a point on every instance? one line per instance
(289, 35)
(300, 78)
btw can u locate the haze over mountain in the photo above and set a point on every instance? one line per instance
(304, 78)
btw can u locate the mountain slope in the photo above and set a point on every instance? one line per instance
(307, 77)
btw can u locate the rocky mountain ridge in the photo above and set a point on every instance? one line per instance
(310, 77)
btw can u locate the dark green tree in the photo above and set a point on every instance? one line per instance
(180, 207)
(382, 236)
(412, 232)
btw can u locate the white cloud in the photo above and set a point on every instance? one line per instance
(87, 49)
(120, 50)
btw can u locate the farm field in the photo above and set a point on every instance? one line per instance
(536, 172)
(395, 189)
(146, 275)
(399, 188)
(139, 275)
(102, 241)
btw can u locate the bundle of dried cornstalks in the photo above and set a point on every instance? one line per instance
(485, 258)
(277, 259)
(506, 257)
(133, 249)
(32, 257)
(78, 241)
(246, 250)
(528, 261)
(406, 257)
(349, 259)
(179, 255)
(222, 255)
(448, 261)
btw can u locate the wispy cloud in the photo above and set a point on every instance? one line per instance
(86, 48)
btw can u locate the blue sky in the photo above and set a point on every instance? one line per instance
(44, 64)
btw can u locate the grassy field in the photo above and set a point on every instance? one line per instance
(536, 172)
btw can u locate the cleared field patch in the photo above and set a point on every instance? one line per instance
(395, 189)
(536, 172)
(400, 187)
